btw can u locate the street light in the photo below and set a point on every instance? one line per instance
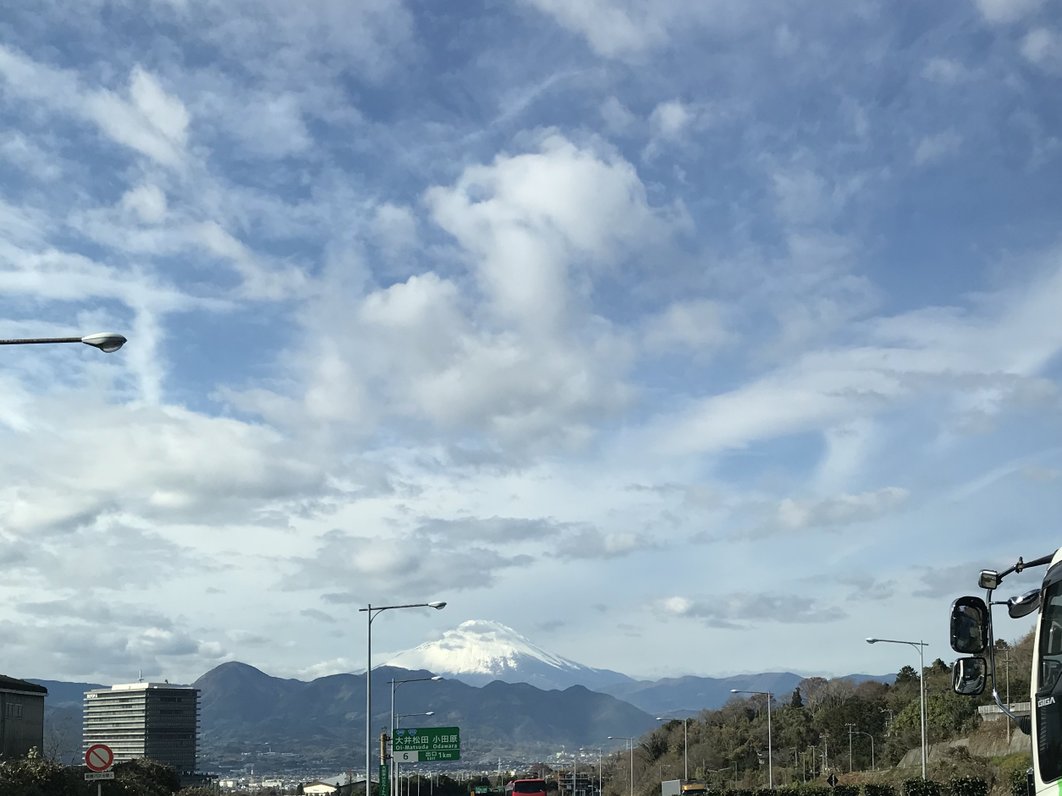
(631, 742)
(770, 763)
(921, 647)
(104, 341)
(371, 613)
(850, 728)
(394, 686)
(873, 765)
(685, 746)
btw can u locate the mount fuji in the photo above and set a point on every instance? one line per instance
(480, 651)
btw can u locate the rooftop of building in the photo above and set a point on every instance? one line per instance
(142, 686)
(14, 684)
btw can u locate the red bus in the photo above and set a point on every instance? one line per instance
(526, 787)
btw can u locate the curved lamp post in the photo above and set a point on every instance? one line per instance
(920, 646)
(685, 745)
(873, 764)
(104, 341)
(631, 742)
(372, 611)
(770, 762)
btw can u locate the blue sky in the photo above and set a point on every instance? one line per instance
(683, 337)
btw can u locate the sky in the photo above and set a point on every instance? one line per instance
(682, 337)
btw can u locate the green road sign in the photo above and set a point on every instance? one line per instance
(385, 783)
(430, 743)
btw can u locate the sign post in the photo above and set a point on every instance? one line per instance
(99, 758)
(426, 744)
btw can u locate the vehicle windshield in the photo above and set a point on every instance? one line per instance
(1049, 684)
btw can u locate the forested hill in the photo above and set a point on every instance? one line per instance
(810, 725)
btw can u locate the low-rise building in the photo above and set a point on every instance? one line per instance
(21, 717)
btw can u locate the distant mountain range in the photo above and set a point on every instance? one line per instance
(511, 698)
(244, 709)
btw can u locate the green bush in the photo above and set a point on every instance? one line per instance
(1019, 782)
(875, 789)
(921, 787)
(968, 786)
(846, 790)
(802, 789)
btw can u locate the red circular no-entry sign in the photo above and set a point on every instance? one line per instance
(99, 757)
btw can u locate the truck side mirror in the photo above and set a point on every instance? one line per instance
(988, 579)
(969, 625)
(1024, 605)
(968, 676)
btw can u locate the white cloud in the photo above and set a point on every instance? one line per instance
(840, 511)
(613, 29)
(149, 121)
(264, 125)
(1043, 47)
(698, 325)
(617, 116)
(670, 119)
(594, 544)
(148, 202)
(394, 228)
(735, 611)
(1000, 12)
(937, 147)
(946, 71)
(24, 153)
(673, 124)
(528, 219)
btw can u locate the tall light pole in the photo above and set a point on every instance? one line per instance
(631, 742)
(921, 647)
(850, 728)
(770, 762)
(371, 612)
(394, 686)
(685, 747)
(873, 765)
(104, 341)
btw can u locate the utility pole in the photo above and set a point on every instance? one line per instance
(849, 726)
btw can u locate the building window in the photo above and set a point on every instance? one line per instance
(13, 711)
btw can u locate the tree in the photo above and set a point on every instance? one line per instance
(796, 701)
(34, 776)
(144, 777)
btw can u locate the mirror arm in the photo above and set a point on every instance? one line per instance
(1021, 565)
(992, 648)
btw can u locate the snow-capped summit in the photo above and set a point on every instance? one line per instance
(479, 651)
